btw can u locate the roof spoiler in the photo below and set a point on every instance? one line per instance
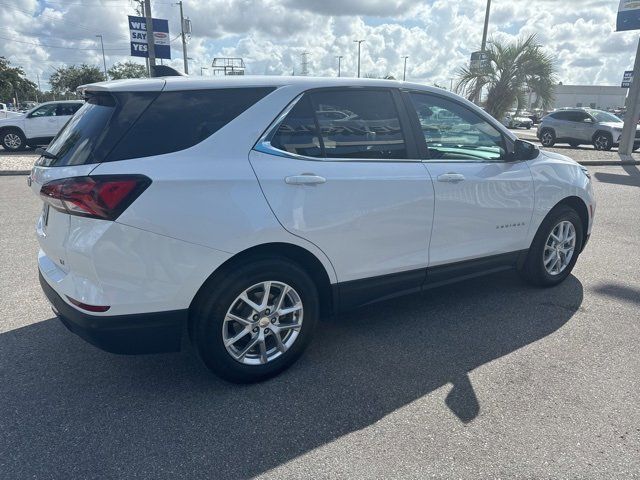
(165, 71)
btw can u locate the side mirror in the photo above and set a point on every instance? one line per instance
(524, 150)
(588, 120)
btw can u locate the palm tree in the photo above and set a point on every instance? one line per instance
(513, 70)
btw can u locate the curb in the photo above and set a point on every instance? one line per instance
(608, 163)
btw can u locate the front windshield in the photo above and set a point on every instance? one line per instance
(601, 116)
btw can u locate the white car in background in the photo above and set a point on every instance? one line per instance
(515, 120)
(6, 113)
(38, 126)
(236, 211)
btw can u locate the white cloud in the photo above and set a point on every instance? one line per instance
(270, 35)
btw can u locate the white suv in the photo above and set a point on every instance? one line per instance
(37, 126)
(239, 211)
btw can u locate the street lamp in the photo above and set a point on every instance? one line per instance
(358, 42)
(339, 57)
(404, 71)
(104, 62)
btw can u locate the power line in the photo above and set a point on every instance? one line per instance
(58, 46)
(9, 31)
(57, 19)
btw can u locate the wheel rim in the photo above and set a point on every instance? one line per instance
(12, 140)
(602, 142)
(559, 248)
(262, 323)
(547, 138)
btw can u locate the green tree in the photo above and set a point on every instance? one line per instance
(127, 70)
(513, 70)
(68, 79)
(13, 81)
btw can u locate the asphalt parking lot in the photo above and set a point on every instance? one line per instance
(484, 379)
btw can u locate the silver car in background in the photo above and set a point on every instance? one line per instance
(582, 126)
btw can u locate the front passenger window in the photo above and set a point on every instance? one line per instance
(453, 132)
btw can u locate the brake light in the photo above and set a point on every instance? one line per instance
(100, 196)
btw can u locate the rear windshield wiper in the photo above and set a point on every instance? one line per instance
(44, 153)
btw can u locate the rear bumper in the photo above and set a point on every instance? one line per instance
(124, 334)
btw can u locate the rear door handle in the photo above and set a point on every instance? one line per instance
(451, 177)
(305, 179)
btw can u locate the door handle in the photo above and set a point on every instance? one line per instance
(451, 177)
(305, 179)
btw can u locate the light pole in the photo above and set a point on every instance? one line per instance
(184, 41)
(404, 71)
(339, 57)
(486, 26)
(104, 62)
(358, 42)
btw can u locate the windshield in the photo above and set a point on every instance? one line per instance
(601, 116)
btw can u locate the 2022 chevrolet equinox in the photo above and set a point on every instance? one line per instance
(236, 212)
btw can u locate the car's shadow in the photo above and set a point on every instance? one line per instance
(69, 410)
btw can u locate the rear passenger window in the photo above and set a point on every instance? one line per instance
(178, 120)
(359, 124)
(298, 131)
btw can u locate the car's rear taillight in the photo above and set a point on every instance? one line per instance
(100, 196)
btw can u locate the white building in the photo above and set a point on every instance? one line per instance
(591, 96)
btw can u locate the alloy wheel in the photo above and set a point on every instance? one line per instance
(559, 248)
(262, 323)
(547, 138)
(601, 142)
(12, 140)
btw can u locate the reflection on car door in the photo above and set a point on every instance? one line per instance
(483, 204)
(357, 190)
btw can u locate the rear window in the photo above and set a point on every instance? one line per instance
(122, 126)
(96, 128)
(179, 120)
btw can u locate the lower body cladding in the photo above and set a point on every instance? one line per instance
(163, 331)
(125, 334)
(106, 290)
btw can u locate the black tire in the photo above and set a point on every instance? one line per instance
(574, 144)
(13, 140)
(603, 141)
(533, 269)
(219, 295)
(547, 137)
(528, 127)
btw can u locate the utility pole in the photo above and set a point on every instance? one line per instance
(339, 57)
(38, 78)
(484, 43)
(150, 38)
(633, 112)
(184, 42)
(486, 26)
(104, 62)
(358, 42)
(404, 71)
